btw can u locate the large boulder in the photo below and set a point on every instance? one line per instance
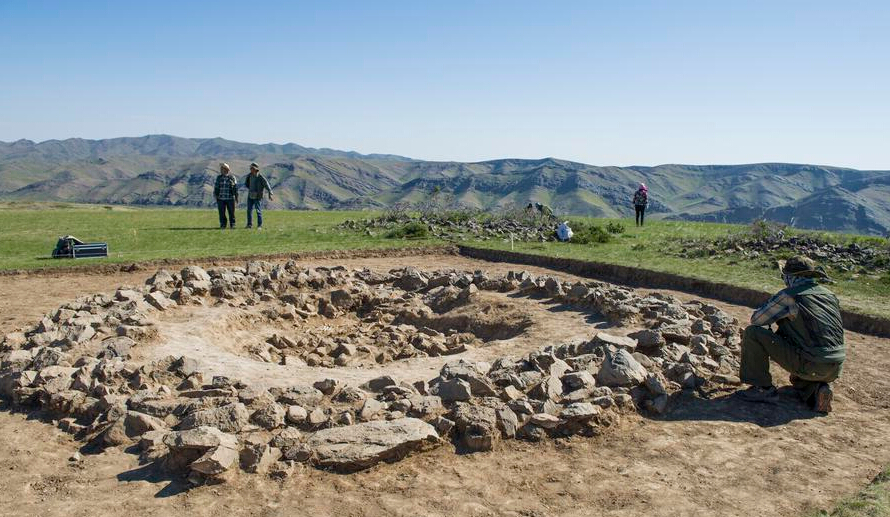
(230, 418)
(300, 395)
(205, 449)
(356, 447)
(215, 461)
(453, 390)
(159, 301)
(476, 425)
(619, 368)
(116, 346)
(270, 416)
(648, 339)
(161, 279)
(194, 274)
(411, 280)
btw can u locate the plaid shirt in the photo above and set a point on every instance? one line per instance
(226, 188)
(780, 306)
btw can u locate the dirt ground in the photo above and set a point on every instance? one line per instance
(712, 455)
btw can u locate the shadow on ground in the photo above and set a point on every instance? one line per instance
(731, 407)
(188, 229)
(590, 317)
(154, 474)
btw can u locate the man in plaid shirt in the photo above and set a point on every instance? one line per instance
(225, 190)
(808, 341)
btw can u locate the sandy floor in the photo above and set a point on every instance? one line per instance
(714, 456)
(218, 336)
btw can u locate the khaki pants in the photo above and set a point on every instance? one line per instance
(761, 344)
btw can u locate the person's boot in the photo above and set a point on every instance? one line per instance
(768, 394)
(801, 393)
(823, 397)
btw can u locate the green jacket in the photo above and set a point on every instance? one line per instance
(818, 328)
(256, 185)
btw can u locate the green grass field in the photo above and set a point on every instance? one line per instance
(28, 234)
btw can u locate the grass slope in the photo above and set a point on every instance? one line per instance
(653, 247)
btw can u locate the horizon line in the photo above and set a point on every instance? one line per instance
(374, 154)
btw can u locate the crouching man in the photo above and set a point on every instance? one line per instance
(808, 342)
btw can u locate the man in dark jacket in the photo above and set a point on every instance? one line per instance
(641, 201)
(256, 185)
(225, 190)
(808, 342)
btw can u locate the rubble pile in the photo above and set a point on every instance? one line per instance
(76, 366)
(444, 226)
(851, 257)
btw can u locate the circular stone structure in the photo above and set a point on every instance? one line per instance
(269, 365)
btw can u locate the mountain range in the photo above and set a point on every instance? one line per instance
(169, 170)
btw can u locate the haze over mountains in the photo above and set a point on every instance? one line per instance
(168, 170)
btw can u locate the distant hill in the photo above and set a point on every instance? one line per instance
(169, 170)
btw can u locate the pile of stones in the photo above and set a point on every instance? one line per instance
(75, 366)
(405, 314)
(448, 227)
(850, 257)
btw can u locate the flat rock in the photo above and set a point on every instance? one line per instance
(356, 447)
(230, 418)
(626, 343)
(201, 438)
(545, 420)
(579, 411)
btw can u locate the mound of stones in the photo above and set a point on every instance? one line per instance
(75, 366)
(402, 315)
(445, 226)
(843, 257)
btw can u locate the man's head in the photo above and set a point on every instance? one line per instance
(254, 168)
(224, 168)
(800, 267)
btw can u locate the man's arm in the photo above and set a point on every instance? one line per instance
(268, 187)
(216, 188)
(780, 306)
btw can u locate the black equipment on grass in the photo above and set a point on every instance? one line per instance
(72, 247)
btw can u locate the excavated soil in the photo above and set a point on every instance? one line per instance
(222, 338)
(711, 455)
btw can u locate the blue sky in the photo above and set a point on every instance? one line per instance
(607, 83)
